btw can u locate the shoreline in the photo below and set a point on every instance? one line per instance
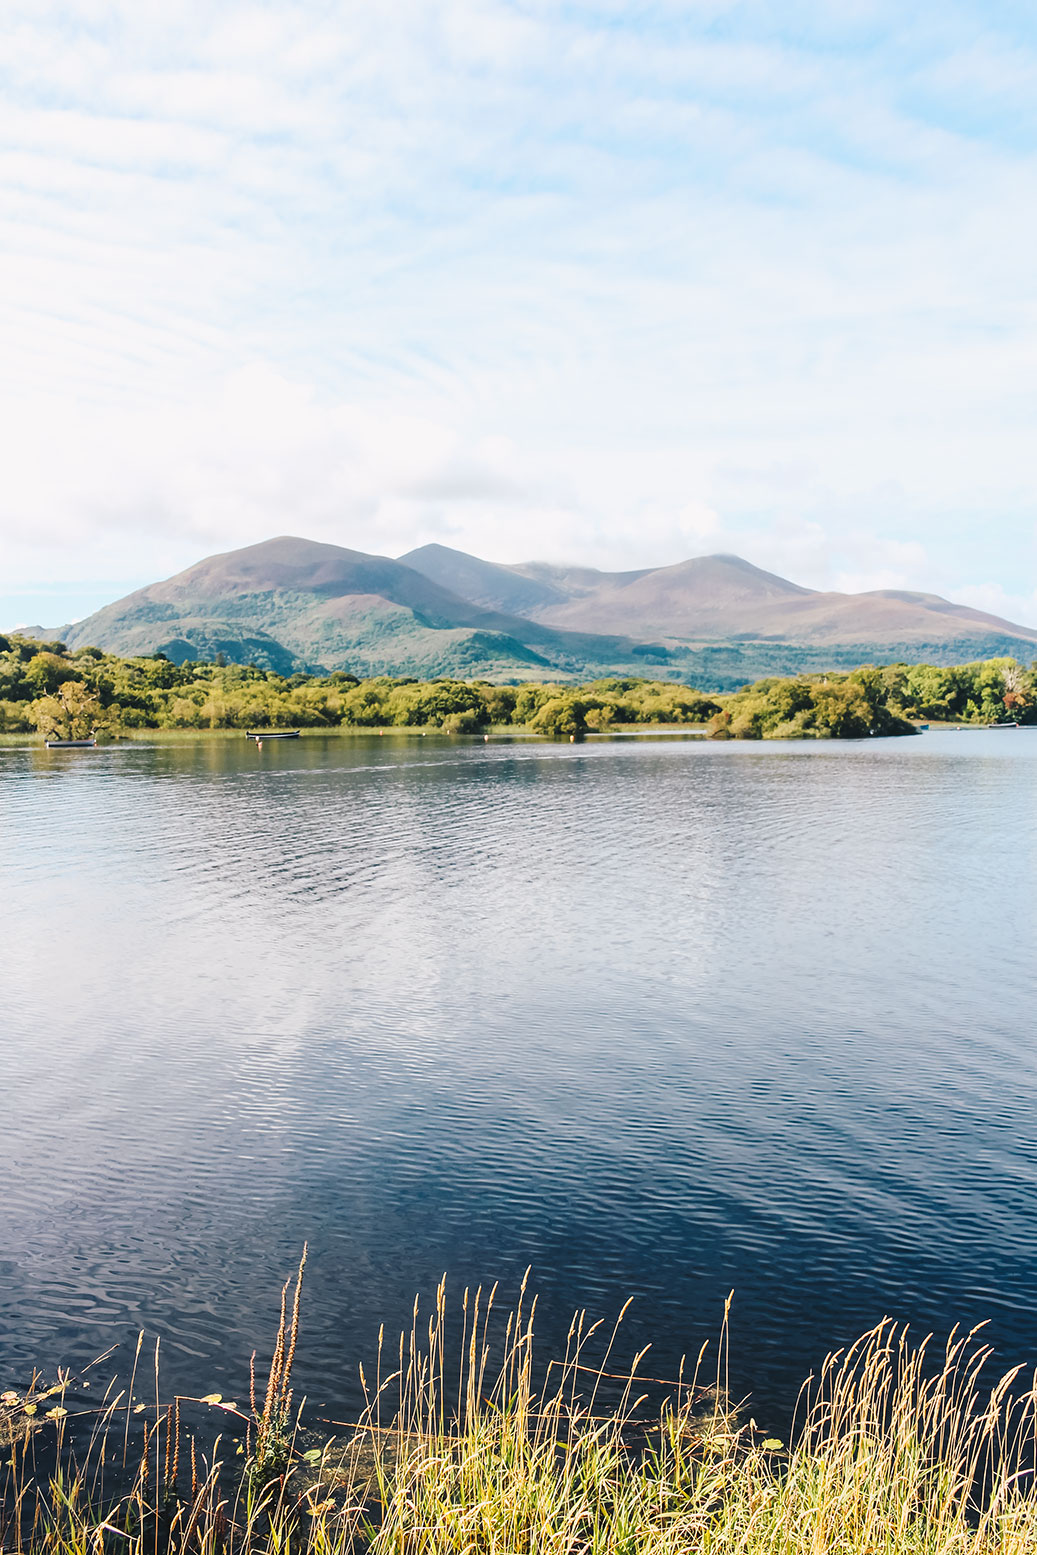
(500, 733)
(469, 1446)
(495, 734)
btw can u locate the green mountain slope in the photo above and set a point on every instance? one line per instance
(295, 604)
(291, 604)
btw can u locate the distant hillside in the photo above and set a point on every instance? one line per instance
(532, 589)
(295, 604)
(719, 599)
(291, 604)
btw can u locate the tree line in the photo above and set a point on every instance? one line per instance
(48, 689)
(883, 700)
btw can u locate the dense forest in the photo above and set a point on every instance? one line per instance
(45, 688)
(890, 699)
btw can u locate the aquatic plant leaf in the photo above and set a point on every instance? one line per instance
(212, 1398)
(10, 1397)
(30, 1409)
(313, 1455)
(57, 1413)
(772, 1444)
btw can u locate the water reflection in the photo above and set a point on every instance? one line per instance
(657, 1019)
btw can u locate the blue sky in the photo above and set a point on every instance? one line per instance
(611, 282)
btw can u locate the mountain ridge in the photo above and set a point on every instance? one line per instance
(721, 596)
(291, 604)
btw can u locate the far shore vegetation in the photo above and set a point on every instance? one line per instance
(468, 1446)
(47, 689)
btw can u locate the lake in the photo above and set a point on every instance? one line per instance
(659, 1018)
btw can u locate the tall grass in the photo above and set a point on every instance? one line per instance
(468, 1447)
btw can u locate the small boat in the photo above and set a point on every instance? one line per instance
(272, 734)
(62, 745)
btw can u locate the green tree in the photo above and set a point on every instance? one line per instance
(47, 671)
(15, 717)
(74, 713)
(561, 717)
(467, 722)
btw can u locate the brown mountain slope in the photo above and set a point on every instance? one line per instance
(529, 589)
(723, 598)
(291, 604)
(486, 584)
(709, 597)
(289, 565)
(881, 616)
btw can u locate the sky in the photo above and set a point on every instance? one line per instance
(592, 280)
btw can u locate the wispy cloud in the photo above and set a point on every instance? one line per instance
(615, 281)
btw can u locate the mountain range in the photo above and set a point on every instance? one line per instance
(291, 604)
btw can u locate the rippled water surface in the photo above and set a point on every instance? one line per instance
(658, 1018)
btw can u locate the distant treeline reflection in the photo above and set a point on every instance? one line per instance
(45, 688)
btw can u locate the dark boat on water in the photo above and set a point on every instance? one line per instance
(60, 745)
(272, 734)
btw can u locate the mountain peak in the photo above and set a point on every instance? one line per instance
(285, 562)
(724, 564)
(289, 602)
(490, 585)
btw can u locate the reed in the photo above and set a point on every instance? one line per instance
(272, 1422)
(468, 1447)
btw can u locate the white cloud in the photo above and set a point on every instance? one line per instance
(995, 600)
(602, 282)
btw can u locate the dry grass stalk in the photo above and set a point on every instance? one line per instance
(898, 1451)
